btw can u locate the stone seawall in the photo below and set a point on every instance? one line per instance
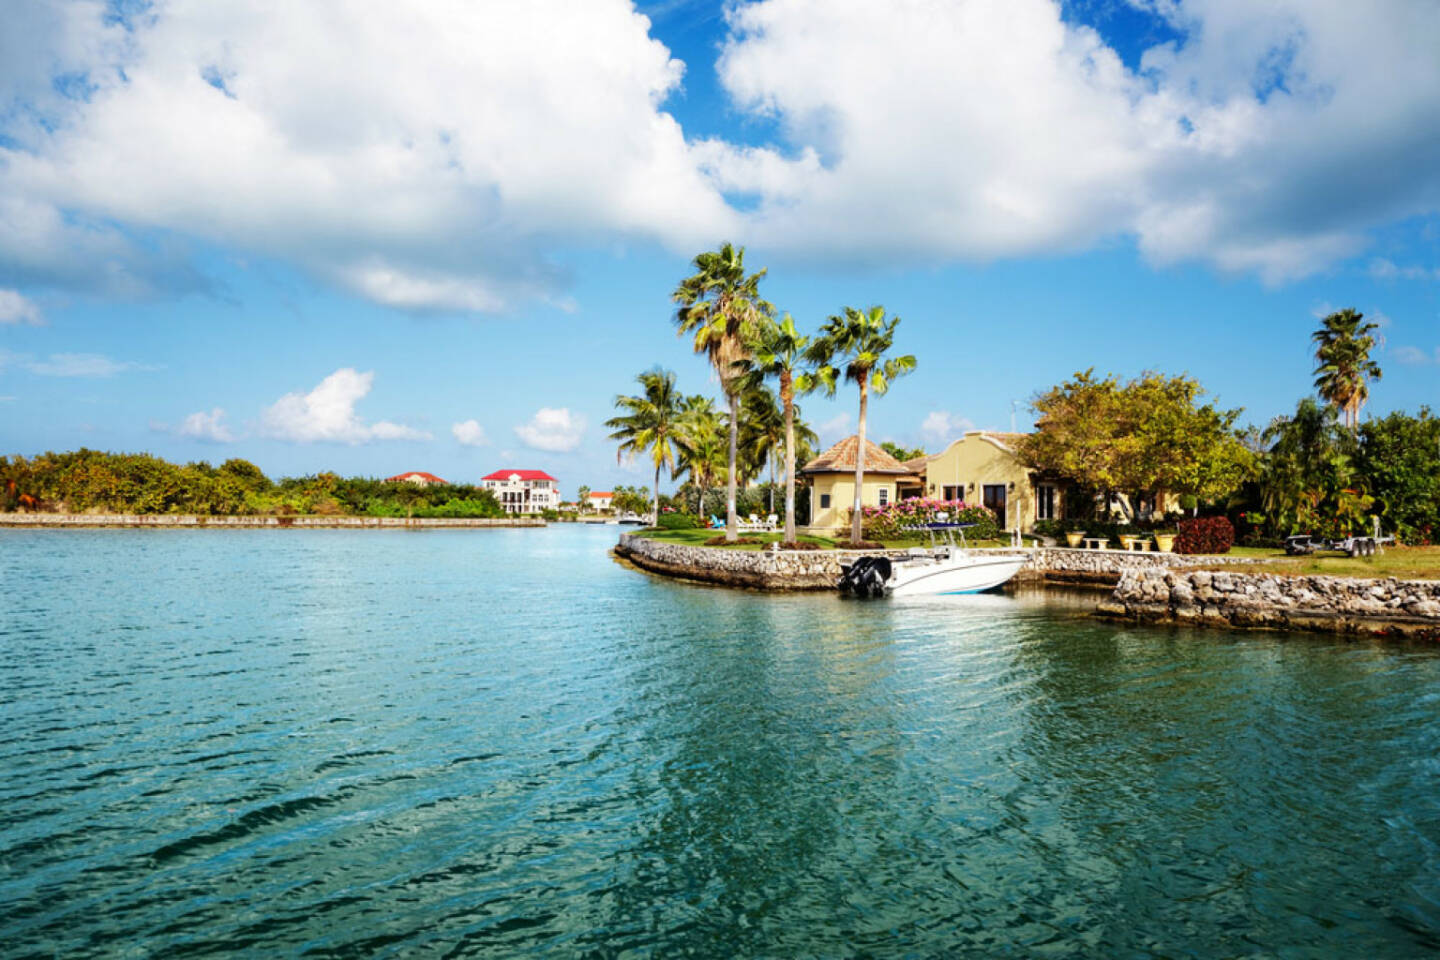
(1390, 607)
(190, 521)
(820, 569)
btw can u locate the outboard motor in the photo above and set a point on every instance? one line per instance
(866, 577)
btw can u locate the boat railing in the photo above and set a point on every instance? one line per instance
(947, 547)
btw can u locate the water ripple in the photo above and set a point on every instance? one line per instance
(452, 743)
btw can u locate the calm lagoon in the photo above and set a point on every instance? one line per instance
(502, 743)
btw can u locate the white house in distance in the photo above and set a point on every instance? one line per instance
(523, 491)
(418, 477)
(601, 501)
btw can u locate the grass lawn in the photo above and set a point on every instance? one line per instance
(1407, 563)
(697, 538)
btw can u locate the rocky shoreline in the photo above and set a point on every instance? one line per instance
(819, 569)
(1140, 587)
(1390, 607)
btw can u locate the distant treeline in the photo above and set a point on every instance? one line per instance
(91, 481)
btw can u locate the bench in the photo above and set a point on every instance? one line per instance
(1095, 543)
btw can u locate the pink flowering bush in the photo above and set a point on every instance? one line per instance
(890, 522)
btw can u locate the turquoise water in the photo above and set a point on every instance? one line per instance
(502, 743)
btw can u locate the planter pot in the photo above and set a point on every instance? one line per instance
(1165, 542)
(1074, 539)
(1127, 541)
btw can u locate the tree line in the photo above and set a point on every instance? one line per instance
(1319, 470)
(749, 347)
(92, 481)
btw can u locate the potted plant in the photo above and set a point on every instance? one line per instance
(1127, 541)
(1165, 541)
(1075, 537)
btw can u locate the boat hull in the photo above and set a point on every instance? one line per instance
(962, 575)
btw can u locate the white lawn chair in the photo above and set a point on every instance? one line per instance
(772, 522)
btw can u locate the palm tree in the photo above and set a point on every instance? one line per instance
(1343, 365)
(861, 339)
(721, 306)
(778, 351)
(701, 445)
(582, 499)
(650, 422)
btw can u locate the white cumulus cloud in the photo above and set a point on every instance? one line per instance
(206, 426)
(445, 173)
(327, 414)
(15, 308)
(996, 128)
(469, 433)
(941, 427)
(552, 428)
(436, 175)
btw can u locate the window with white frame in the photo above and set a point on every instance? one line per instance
(1046, 500)
(884, 496)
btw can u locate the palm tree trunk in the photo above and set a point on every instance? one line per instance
(731, 520)
(655, 517)
(789, 465)
(859, 467)
(771, 458)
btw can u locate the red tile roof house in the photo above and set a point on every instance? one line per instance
(419, 477)
(601, 501)
(523, 491)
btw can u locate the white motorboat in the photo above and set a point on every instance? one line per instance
(940, 569)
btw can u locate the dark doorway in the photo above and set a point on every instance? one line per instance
(995, 500)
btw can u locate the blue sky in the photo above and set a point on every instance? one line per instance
(219, 239)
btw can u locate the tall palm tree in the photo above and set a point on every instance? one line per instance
(650, 422)
(777, 351)
(1343, 367)
(762, 429)
(860, 338)
(721, 306)
(701, 443)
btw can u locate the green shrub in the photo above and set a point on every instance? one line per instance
(679, 521)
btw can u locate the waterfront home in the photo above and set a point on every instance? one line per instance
(418, 477)
(831, 477)
(601, 501)
(523, 491)
(982, 467)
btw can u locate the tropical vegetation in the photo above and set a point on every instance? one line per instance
(721, 308)
(1343, 367)
(1143, 438)
(650, 422)
(859, 340)
(92, 481)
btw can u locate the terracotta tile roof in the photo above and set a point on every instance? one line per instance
(917, 464)
(518, 474)
(841, 459)
(427, 477)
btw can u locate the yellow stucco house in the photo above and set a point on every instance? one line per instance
(831, 477)
(981, 467)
